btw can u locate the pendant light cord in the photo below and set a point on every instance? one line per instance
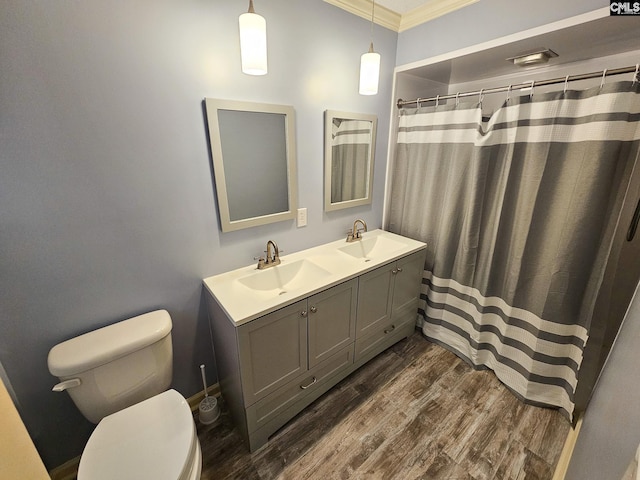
(373, 9)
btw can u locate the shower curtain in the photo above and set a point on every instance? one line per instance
(350, 159)
(518, 214)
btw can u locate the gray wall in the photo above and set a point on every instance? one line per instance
(107, 203)
(610, 433)
(483, 21)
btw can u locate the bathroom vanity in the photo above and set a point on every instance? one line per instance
(284, 335)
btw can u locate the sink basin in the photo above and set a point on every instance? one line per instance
(372, 247)
(284, 277)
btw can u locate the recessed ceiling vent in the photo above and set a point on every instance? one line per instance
(537, 57)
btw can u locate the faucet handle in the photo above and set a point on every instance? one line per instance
(260, 262)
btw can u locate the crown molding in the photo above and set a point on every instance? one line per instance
(431, 10)
(395, 21)
(362, 8)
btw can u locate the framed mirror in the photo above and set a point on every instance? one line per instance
(254, 162)
(349, 151)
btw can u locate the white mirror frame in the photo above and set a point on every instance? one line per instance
(213, 106)
(330, 115)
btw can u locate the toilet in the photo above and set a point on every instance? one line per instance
(118, 377)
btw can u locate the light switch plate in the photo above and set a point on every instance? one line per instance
(302, 217)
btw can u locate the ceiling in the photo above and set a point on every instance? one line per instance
(400, 15)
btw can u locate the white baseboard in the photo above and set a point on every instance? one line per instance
(567, 451)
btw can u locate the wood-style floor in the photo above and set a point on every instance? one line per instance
(414, 412)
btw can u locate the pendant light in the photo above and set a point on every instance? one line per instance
(253, 42)
(370, 65)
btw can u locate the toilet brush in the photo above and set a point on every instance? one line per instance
(209, 411)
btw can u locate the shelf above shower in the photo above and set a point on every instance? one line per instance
(573, 39)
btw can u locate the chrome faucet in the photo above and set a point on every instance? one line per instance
(356, 233)
(273, 258)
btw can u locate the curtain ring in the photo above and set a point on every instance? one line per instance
(533, 83)
(481, 95)
(437, 100)
(458, 95)
(566, 84)
(509, 93)
(604, 74)
(635, 75)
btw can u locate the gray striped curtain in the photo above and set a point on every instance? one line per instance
(350, 159)
(518, 214)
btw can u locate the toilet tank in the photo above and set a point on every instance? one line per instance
(116, 366)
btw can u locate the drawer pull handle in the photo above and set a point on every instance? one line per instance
(304, 387)
(389, 330)
(313, 309)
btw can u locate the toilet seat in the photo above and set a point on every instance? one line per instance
(155, 438)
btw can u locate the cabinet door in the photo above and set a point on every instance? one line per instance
(374, 299)
(406, 290)
(332, 320)
(273, 350)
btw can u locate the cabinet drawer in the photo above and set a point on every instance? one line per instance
(384, 337)
(280, 401)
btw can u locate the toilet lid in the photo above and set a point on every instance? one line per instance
(151, 439)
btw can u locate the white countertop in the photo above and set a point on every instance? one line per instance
(319, 268)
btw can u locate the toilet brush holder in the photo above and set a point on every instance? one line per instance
(208, 410)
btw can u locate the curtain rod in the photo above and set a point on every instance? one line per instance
(569, 78)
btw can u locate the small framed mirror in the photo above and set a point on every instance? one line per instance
(254, 162)
(349, 151)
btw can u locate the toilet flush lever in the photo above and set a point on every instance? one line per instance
(62, 386)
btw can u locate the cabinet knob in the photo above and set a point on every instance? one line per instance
(303, 313)
(389, 330)
(313, 309)
(399, 269)
(394, 271)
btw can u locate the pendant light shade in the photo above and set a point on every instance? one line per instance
(370, 65)
(253, 42)
(369, 72)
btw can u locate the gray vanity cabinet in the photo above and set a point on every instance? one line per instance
(272, 367)
(387, 304)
